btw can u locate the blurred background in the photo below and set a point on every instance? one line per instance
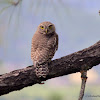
(78, 26)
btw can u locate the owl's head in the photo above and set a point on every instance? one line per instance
(46, 28)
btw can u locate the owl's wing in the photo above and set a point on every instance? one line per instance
(52, 46)
(53, 43)
(56, 44)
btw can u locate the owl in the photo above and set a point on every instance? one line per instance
(44, 45)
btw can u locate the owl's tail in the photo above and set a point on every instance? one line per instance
(41, 70)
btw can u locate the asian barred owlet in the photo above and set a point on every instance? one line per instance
(44, 46)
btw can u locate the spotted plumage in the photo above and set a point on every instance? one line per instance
(44, 46)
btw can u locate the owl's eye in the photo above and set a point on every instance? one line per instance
(50, 27)
(42, 27)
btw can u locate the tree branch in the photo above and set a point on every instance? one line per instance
(69, 64)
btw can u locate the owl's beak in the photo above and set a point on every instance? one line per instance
(46, 31)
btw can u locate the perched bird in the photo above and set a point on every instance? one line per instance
(44, 46)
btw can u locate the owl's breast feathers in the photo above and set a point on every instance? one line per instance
(43, 47)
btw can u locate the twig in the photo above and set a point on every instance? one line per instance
(15, 3)
(83, 84)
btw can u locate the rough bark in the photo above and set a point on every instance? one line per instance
(69, 64)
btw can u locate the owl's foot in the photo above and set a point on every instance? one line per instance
(42, 79)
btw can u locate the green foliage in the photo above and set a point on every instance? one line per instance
(55, 96)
